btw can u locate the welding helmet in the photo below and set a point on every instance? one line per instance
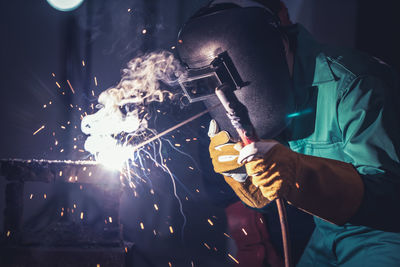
(238, 43)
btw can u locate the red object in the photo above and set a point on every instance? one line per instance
(248, 230)
(246, 139)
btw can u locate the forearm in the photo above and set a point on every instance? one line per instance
(329, 189)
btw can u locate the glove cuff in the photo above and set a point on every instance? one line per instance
(248, 192)
(330, 189)
(326, 188)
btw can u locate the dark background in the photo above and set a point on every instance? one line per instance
(37, 40)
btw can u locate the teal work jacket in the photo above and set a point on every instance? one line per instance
(348, 110)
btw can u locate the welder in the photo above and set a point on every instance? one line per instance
(327, 120)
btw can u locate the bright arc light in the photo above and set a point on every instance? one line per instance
(65, 5)
(108, 152)
(114, 158)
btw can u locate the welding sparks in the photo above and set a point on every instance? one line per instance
(174, 127)
(58, 85)
(8, 233)
(207, 246)
(118, 133)
(70, 86)
(144, 31)
(83, 63)
(110, 219)
(38, 130)
(244, 231)
(210, 222)
(235, 260)
(81, 215)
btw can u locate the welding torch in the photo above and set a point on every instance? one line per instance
(239, 117)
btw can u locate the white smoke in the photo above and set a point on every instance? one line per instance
(123, 108)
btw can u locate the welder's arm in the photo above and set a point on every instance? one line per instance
(329, 189)
(365, 192)
(368, 117)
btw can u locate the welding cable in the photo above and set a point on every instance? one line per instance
(287, 251)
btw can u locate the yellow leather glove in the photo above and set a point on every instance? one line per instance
(224, 155)
(329, 189)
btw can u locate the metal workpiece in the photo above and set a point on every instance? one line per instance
(78, 217)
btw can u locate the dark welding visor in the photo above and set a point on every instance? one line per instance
(199, 84)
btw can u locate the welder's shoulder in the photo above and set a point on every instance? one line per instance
(351, 64)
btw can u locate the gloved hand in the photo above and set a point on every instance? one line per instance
(329, 189)
(224, 154)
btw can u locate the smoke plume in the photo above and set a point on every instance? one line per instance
(123, 109)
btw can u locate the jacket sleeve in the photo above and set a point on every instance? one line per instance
(369, 122)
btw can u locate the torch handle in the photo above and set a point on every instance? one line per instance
(237, 113)
(240, 120)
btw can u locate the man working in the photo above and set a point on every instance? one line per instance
(327, 118)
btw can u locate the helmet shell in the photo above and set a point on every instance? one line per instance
(252, 39)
